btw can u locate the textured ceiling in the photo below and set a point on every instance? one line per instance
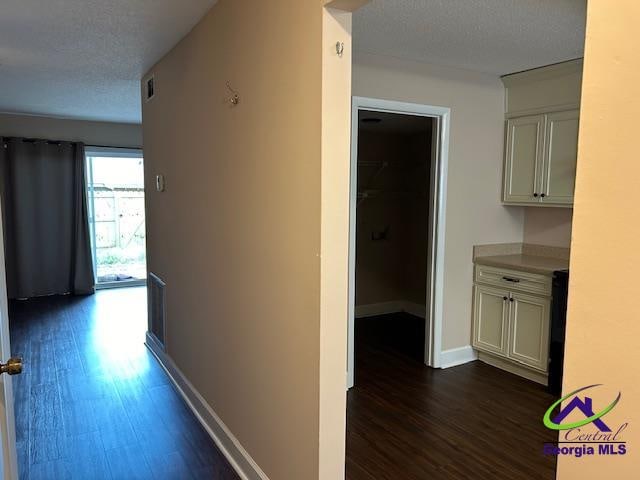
(84, 58)
(491, 36)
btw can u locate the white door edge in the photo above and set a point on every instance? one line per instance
(9, 459)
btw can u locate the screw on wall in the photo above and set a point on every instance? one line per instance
(235, 98)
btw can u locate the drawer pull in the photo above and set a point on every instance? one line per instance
(513, 280)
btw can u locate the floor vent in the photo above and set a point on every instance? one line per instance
(156, 299)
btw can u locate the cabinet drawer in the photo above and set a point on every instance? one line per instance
(513, 279)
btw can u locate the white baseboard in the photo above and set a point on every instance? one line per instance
(385, 308)
(414, 309)
(228, 444)
(512, 367)
(375, 309)
(457, 356)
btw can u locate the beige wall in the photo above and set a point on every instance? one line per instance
(336, 153)
(474, 212)
(603, 324)
(236, 234)
(251, 233)
(548, 226)
(92, 133)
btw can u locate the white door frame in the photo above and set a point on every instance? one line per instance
(90, 153)
(8, 458)
(437, 214)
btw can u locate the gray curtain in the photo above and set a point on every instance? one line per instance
(44, 208)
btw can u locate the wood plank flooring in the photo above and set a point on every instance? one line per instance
(93, 403)
(406, 421)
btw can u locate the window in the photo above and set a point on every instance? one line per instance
(115, 192)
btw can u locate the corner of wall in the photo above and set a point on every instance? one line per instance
(335, 200)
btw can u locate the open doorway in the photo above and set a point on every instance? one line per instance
(392, 212)
(397, 215)
(115, 191)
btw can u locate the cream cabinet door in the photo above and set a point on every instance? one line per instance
(524, 159)
(560, 156)
(529, 330)
(490, 319)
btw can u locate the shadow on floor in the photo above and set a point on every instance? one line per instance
(395, 334)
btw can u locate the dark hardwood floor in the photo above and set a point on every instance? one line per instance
(93, 403)
(406, 421)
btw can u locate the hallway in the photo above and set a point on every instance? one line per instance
(93, 403)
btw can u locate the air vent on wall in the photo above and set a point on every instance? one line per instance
(156, 308)
(150, 88)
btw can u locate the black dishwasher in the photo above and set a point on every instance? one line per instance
(560, 289)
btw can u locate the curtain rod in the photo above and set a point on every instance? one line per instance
(34, 140)
(59, 142)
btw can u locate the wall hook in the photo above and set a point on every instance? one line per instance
(235, 98)
(340, 48)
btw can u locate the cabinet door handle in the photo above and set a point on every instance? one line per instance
(509, 279)
(505, 298)
(543, 195)
(535, 195)
(511, 299)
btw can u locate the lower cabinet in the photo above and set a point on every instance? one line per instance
(491, 319)
(512, 325)
(529, 330)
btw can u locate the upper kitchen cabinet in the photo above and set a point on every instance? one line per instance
(524, 158)
(560, 155)
(542, 118)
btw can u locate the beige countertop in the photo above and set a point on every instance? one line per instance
(539, 259)
(527, 263)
